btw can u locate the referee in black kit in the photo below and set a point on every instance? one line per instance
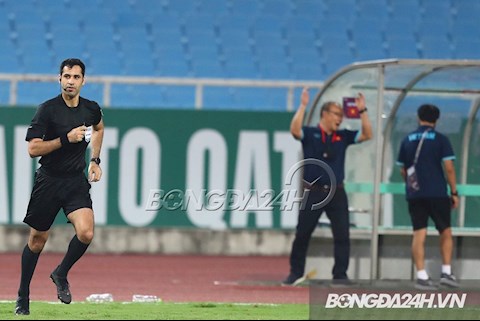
(60, 132)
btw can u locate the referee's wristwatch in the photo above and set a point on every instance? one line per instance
(96, 160)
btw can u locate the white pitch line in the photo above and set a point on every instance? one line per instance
(225, 283)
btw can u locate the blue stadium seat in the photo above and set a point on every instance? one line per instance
(269, 55)
(63, 47)
(28, 17)
(235, 39)
(402, 46)
(336, 60)
(405, 10)
(362, 25)
(4, 25)
(399, 27)
(104, 65)
(9, 63)
(134, 46)
(466, 48)
(274, 70)
(146, 7)
(233, 22)
(433, 29)
(139, 67)
(64, 26)
(203, 54)
(269, 47)
(173, 68)
(7, 41)
(268, 23)
(136, 96)
(95, 19)
(464, 29)
(466, 10)
(367, 40)
(29, 45)
(373, 9)
(300, 26)
(161, 22)
(4, 93)
(332, 26)
(93, 92)
(313, 9)
(129, 20)
(241, 69)
(259, 99)
(366, 53)
(302, 42)
(436, 48)
(343, 10)
(199, 21)
(278, 8)
(253, 39)
(183, 7)
(434, 11)
(311, 70)
(245, 8)
(238, 55)
(182, 97)
(153, 96)
(303, 54)
(201, 37)
(333, 44)
(220, 98)
(34, 93)
(119, 7)
(218, 7)
(207, 68)
(167, 38)
(169, 53)
(369, 46)
(24, 35)
(41, 64)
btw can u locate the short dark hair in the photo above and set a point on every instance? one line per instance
(429, 113)
(70, 62)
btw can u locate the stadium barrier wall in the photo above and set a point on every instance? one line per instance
(154, 240)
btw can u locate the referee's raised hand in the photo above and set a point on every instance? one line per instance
(77, 134)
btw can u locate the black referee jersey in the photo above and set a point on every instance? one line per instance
(54, 119)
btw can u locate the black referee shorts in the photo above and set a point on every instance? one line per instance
(439, 209)
(50, 194)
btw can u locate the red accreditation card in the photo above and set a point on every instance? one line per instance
(350, 109)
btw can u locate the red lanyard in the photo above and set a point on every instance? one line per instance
(335, 137)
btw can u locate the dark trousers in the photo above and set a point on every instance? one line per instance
(337, 212)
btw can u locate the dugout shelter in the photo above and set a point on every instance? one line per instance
(394, 89)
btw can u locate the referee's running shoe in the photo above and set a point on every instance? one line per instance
(63, 290)
(22, 306)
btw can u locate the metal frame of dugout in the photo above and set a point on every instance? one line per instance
(389, 83)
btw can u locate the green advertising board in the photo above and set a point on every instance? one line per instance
(170, 168)
(199, 169)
